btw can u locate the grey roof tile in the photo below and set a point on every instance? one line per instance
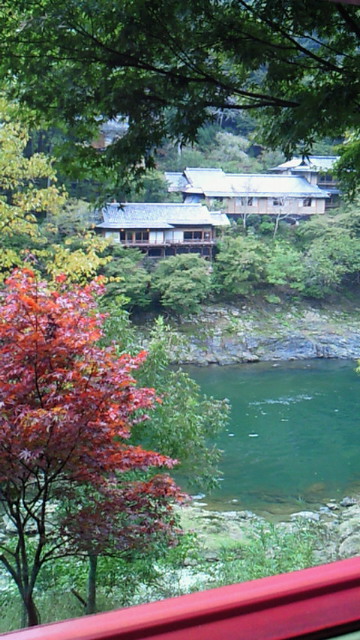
(265, 185)
(175, 180)
(218, 184)
(310, 163)
(159, 215)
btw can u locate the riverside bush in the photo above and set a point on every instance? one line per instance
(269, 549)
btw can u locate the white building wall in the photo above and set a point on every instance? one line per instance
(266, 206)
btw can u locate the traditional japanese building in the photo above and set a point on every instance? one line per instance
(246, 194)
(318, 170)
(162, 229)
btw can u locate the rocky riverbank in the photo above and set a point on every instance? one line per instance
(227, 335)
(336, 527)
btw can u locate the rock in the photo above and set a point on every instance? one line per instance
(324, 509)
(350, 546)
(348, 502)
(294, 346)
(349, 528)
(225, 359)
(337, 535)
(306, 515)
(324, 557)
(350, 513)
(230, 335)
(250, 357)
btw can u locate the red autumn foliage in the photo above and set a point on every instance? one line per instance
(66, 411)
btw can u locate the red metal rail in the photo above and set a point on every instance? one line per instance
(320, 602)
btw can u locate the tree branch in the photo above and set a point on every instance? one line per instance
(79, 597)
(350, 21)
(277, 28)
(12, 572)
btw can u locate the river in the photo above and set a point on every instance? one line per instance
(293, 442)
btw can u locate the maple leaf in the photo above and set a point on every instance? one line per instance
(67, 410)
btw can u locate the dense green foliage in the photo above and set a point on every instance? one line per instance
(185, 422)
(182, 282)
(127, 276)
(315, 259)
(270, 550)
(168, 68)
(225, 144)
(239, 265)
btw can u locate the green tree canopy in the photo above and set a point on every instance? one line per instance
(182, 282)
(240, 265)
(127, 277)
(169, 66)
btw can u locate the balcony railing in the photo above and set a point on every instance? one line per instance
(317, 603)
(166, 243)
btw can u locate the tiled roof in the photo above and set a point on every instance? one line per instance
(310, 163)
(161, 215)
(205, 180)
(216, 183)
(273, 185)
(175, 180)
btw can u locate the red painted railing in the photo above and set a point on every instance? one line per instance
(315, 603)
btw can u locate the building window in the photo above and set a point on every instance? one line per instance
(135, 237)
(278, 202)
(141, 236)
(307, 202)
(250, 202)
(192, 236)
(325, 178)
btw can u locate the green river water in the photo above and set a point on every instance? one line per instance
(294, 438)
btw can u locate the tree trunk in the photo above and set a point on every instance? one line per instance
(91, 598)
(276, 225)
(32, 614)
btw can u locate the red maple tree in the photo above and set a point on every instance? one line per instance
(66, 410)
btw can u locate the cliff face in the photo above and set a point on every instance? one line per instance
(230, 335)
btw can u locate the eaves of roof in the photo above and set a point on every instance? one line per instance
(308, 193)
(134, 224)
